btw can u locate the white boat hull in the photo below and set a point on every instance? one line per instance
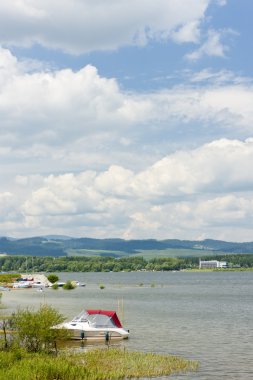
(97, 335)
(97, 326)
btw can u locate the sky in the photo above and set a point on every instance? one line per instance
(126, 119)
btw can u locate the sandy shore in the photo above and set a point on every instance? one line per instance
(37, 278)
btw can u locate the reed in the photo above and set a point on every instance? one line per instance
(97, 364)
(8, 278)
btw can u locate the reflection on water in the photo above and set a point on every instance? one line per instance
(80, 345)
(201, 316)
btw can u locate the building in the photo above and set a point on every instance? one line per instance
(212, 264)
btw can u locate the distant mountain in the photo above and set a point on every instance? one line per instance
(56, 246)
(57, 237)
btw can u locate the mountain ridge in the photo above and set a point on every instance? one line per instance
(58, 245)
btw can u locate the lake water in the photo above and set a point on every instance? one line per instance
(202, 316)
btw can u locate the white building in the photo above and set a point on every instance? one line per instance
(212, 264)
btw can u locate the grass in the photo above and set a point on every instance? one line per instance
(95, 252)
(173, 252)
(7, 278)
(97, 364)
(145, 253)
(218, 270)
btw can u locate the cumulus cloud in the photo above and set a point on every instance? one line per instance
(220, 166)
(62, 98)
(80, 26)
(80, 154)
(62, 107)
(62, 121)
(191, 190)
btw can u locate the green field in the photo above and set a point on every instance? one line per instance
(172, 252)
(95, 252)
(146, 254)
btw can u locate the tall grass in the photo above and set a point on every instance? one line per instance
(7, 278)
(98, 364)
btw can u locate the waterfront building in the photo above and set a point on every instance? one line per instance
(212, 264)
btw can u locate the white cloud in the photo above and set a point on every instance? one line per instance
(219, 166)
(226, 217)
(221, 2)
(59, 121)
(189, 32)
(80, 156)
(79, 26)
(190, 191)
(213, 46)
(63, 107)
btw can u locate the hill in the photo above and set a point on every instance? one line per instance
(56, 246)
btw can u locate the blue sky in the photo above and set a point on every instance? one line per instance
(128, 119)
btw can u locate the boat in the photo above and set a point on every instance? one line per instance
(60, 284)
(21, 284)
(95, 325)
(38, 284)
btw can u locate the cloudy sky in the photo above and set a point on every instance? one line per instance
(126, 118)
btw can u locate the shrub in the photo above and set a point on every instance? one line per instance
(68, 285)
(34, 328)
(53, 278)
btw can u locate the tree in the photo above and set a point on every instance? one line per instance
(69, 285)
(53, 278)
(5, 325)
(34, 328)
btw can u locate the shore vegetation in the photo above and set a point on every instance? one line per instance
(110, 264)
(95, 364)
(29, 351)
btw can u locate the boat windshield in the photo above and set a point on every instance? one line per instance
(100, 320)
(82, 317)
(94, 320)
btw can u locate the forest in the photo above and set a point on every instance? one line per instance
(21, 264)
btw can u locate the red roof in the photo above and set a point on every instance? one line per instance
(110, 313)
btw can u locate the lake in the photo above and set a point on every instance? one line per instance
(204, 316)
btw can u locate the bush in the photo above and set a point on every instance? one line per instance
(53, 278)
(68, 285)
(34, 328)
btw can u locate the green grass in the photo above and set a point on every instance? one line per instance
(6, 278)
(219, 270)
(174, 252)
(95, 252)
(98, 364)
(145, 253)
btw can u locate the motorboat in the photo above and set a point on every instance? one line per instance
(21, 284)
(95, 325)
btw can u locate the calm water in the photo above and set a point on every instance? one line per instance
(202, 316)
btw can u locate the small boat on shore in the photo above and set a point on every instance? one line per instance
(95, 325)
(21, 284)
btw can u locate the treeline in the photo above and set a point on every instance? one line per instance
(107, 264)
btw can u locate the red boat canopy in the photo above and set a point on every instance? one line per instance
(109, 313)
